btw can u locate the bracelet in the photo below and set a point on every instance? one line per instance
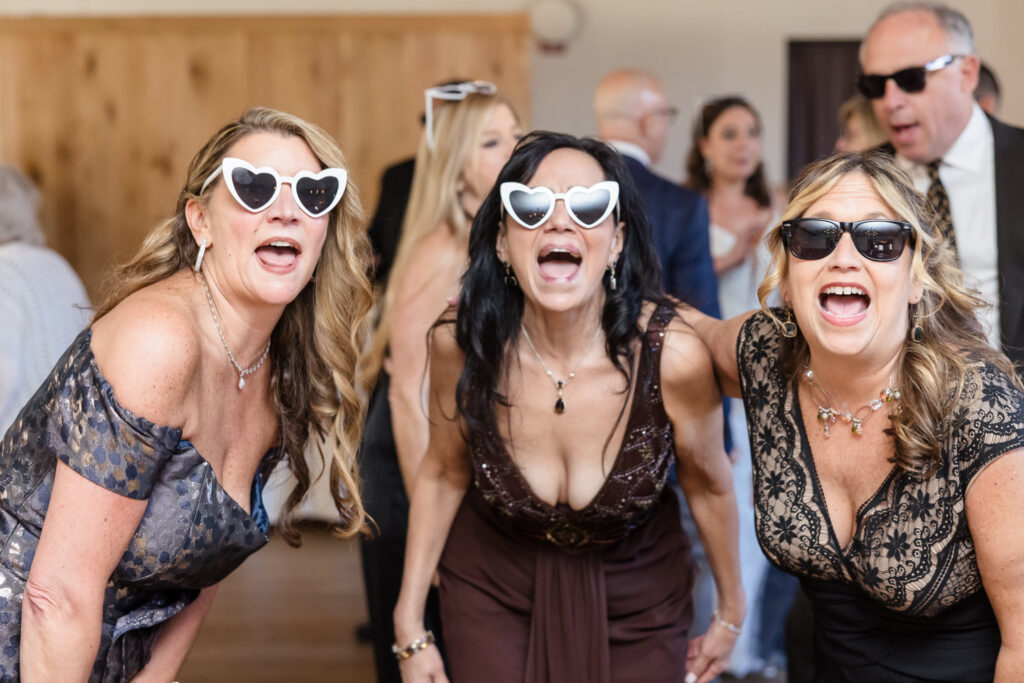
(421, 643)
(731, 628)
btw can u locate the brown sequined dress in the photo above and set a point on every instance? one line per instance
(539, 593)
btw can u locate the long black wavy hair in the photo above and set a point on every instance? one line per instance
(490, 312)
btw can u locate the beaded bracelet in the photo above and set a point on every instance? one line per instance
(421, 643)
(731, 628)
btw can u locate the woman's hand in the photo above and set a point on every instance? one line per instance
(423, 667)
(708, 655)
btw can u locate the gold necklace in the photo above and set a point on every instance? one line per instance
(560, 384)
(828, 415)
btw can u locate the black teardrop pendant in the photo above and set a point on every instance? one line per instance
(560, 405)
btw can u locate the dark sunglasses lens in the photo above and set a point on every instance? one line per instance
(910, 80)
(317, 195)
(880, 240)
(590, 206)
(254, 189)
(812, 239)
(871, 87)
(529, 208)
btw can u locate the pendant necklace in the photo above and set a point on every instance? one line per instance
(828, 415)
(242, 372)
(560, 384)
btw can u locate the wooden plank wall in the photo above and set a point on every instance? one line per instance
(105, 113)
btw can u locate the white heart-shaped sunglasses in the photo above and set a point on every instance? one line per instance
(587, 206)
(257, 188)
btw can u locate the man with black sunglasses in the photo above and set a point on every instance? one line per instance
(920, 71)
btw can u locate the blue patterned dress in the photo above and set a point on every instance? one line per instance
(192, 535)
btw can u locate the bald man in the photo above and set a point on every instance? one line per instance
(634, 117)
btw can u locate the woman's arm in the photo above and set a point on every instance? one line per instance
(148, 356)
(421, 297)
(440, 485)
(694, 406)
(995, 510)
(175, 640)
(719, 336)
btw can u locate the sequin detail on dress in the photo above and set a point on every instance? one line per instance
(192, 533)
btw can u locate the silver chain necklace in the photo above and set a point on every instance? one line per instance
(828, 415)
(242, 372)
(560, 384)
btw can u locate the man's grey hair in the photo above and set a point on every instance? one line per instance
(957, 28)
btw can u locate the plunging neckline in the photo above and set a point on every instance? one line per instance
(149, 426)
(566, 508)
(844, 551)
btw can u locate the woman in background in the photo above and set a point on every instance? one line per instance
(859, 130)
(725, 165)
(468, 136)
(130, 484)
(42, 302)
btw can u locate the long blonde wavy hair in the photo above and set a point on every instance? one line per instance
(434, 199)
(317, 342)
(932, 374)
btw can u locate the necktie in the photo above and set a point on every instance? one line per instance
(940, 204)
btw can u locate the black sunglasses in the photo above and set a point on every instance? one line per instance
(877, 239)
(910, 80)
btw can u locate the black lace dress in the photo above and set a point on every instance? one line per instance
(903, 601)
(191, 536)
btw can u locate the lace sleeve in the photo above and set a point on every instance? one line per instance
(989, 424)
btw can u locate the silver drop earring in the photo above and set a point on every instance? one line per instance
(917, 332)
(611, 277)
(202, 252)
(788, 326)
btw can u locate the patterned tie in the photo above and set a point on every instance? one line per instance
(940, 204)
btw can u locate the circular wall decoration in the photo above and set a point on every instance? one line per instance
(555, 23)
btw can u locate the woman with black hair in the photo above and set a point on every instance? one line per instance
(560, 389)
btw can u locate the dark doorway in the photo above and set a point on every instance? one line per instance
(821, 74)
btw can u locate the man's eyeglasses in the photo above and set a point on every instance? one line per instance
(451, 93)
(876, 239)
(910, 80)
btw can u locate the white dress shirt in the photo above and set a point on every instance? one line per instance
(967, 172)
(628, 149)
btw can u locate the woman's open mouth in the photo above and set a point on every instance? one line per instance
(279, 255)
(843, 304)
(559, 263)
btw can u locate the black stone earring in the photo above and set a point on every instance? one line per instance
(788, 326)
(510, 277)
(917, 332)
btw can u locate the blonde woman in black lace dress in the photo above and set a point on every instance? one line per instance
(887, 436)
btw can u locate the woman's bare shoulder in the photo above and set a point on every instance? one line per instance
(148, 348)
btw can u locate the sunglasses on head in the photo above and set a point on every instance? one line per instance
(587, 206)
(908, 80)
(257, 188)
(876, 239)
(451, 93)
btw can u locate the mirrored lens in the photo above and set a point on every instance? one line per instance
(317, 195)
(589, 207)
(529, 208)
(880, 240)
(254, 189)
(812, 238)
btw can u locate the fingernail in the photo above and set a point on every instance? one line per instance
(691, 678)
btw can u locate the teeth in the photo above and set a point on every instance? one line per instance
(281, 244)
(847, 291)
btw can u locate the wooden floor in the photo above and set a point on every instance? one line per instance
(287, 614)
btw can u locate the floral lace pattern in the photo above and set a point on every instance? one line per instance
(911, 548)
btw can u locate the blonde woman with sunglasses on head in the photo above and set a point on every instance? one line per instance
(468, 135)
(562, 390)
(131, 482)
(887, 435)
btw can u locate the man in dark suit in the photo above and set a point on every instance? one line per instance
(386, 227)
(634, 117)
(963, 159)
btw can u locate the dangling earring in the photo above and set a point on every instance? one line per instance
(917, 332)
(510, 277)
(788, 326)
(611, 277)
(202, 252)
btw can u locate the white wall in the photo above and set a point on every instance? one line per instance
(700, 49)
